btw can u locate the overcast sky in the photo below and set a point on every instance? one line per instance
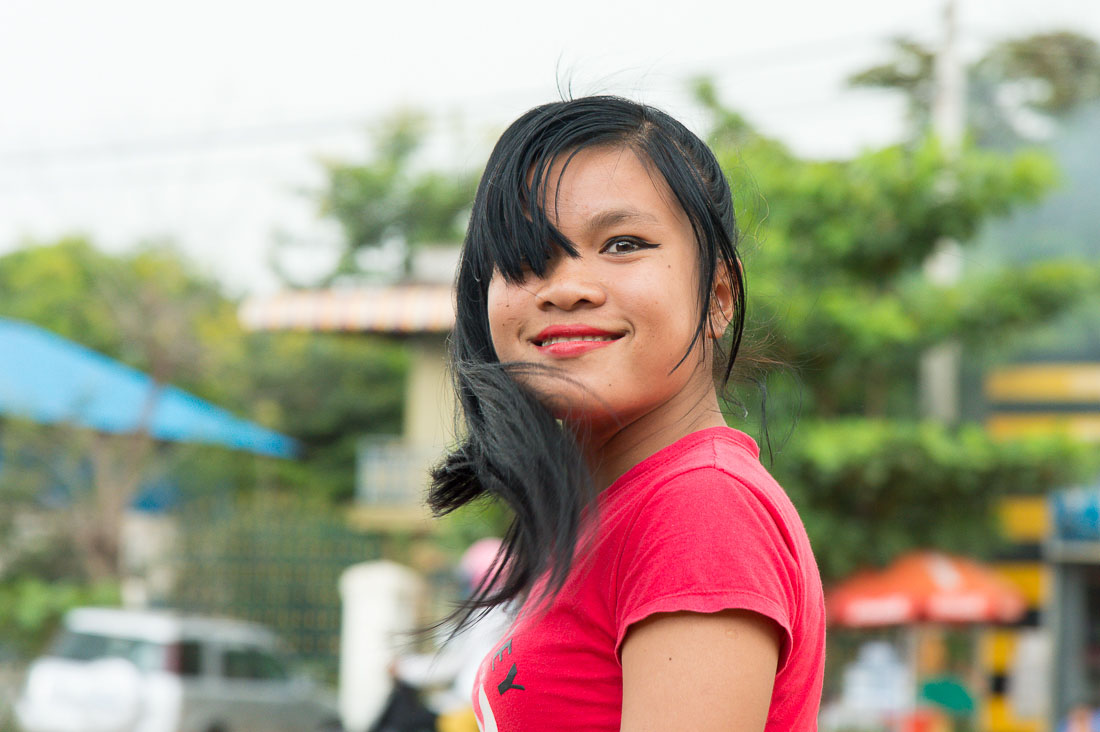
(202, 121)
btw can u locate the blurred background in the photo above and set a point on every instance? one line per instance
(227, 237)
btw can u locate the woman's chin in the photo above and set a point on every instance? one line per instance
(567, 400)
(580, 414)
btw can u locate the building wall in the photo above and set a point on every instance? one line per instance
(429, 400)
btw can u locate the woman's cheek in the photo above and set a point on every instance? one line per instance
(498, 310)
(504, 331)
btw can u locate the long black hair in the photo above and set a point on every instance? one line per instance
(512, 448)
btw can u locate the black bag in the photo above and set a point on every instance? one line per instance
(404, 712)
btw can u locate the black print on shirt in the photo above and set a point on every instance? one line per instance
(509, 680)
(499, 655)
(507, 684)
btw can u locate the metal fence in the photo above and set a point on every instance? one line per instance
(273, 561)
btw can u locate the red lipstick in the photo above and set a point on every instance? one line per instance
(566, 341)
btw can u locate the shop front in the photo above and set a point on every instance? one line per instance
(1073, 554)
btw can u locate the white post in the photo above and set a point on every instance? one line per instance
(949, 98)
(380, 601)
(939, 367)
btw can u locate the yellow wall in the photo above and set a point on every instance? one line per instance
(429, 398)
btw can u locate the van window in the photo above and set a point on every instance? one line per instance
(146, 655)
(252, 663)
(190, 658)
(269, 667)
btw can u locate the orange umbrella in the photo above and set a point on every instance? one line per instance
(925, 587)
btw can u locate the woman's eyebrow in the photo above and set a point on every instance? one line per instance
(612, 217)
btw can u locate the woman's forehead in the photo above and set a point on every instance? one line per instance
(607, 185)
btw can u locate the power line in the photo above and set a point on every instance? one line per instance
(202, 141)
(267, 134)
(145, 172)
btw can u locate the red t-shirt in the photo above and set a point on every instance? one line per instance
(698, 526)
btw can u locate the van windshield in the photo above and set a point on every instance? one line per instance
(146, 655)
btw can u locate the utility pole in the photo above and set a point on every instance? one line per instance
(949, 99)
(939, 367)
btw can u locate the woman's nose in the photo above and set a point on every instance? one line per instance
(569, 283)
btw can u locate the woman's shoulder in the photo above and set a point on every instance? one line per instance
(710, 526)
(710, 482)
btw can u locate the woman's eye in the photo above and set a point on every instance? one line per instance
(625, 245)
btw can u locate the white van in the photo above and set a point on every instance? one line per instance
(113, 670)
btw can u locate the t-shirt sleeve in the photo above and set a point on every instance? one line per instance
(705, 542)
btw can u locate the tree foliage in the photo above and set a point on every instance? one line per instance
(912, 72)
(146, 309)
(871, 489)
(834, 256)
(149, 309)
(327, 391)
(836, 280)
(1051, 74)
(31, 610)
(1065, 66)
(387, 200)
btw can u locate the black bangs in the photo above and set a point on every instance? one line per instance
(510, 230)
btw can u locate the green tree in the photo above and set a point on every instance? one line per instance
(835, 252)
(327, 391)
(1051, 74)
(145, 310)
(150, 310)
(388, 200)
(911, 71)
(1065, 66)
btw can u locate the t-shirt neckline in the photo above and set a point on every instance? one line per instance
(681, 445)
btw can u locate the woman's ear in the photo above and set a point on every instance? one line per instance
(721, 303)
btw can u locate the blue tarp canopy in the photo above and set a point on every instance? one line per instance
(49, 379)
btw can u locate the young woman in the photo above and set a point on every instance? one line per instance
(664, 578)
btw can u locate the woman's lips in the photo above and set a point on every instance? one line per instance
(565, 341)
(566, 349)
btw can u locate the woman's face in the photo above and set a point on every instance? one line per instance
(617, 319)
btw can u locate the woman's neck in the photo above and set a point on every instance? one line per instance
(615, 447)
